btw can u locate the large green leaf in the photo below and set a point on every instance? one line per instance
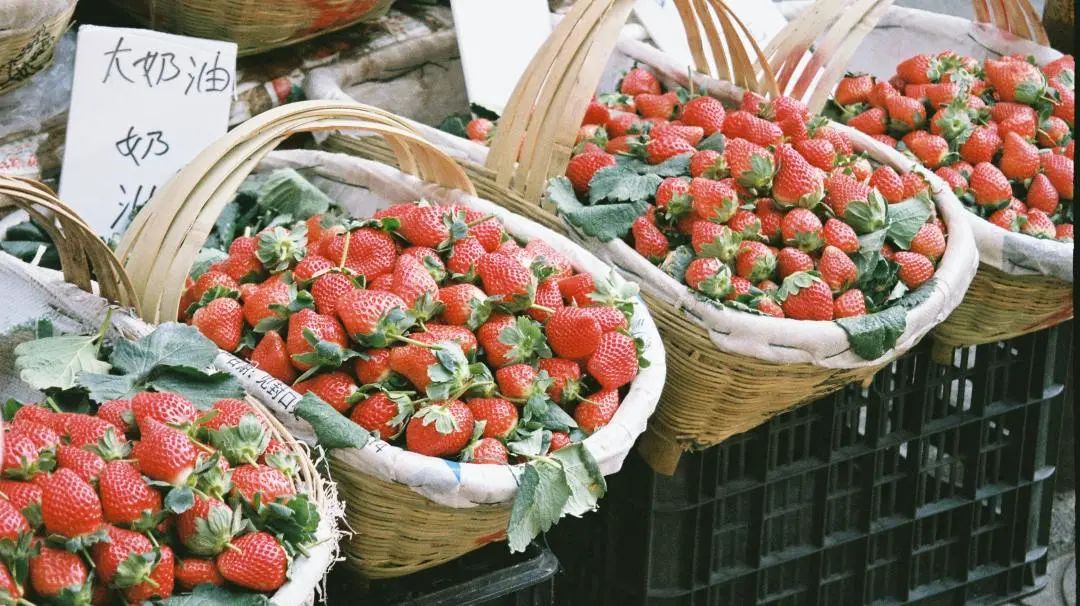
(171, 344)
(604, 222)
(201, 388)
(871, 335)
(209, 595)
(619, 184)
(905, 219)
(286, 192)
(57, 361)
(542, 493)
(332, 429)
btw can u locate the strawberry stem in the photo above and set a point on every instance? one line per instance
(542, 308)
(100, 336)
(405, 339)
(344, 251)
(487, 217)
(52, 404)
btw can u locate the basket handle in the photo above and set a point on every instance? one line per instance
(159, 247)
(538, 128)
(1015, 16)
(83, 255)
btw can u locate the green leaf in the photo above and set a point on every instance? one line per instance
(57, 361)
(872, 335)
(1067, 78)
(905, 219)
(618, 184)
(672, 167)
(455, 125)
(587, 484)
(210, 595)
(285, 191)
(109, 387)
(204, 259)
(677, 261)
(528, 443)
(171, 344)
(201, 388)
(542, 494)
(332, 429)
(180, 499)
(714, 142)
(868, 216)
(605, 222)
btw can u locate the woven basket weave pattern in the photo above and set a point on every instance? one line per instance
(24, 52)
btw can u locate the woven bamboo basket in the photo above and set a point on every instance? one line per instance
(27, 46)
(409, 512)
(725, 378)
(255, 27)
(1023, 284)
(93, 281)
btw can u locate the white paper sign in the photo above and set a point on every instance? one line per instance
(143, 104)
(497, 39)
(661, 19)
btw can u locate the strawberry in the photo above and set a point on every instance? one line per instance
(565, 378)
(334, 388)
(271, 356)
(479, 129)
(118, 414)
(989, 186)
(249, 481)
(1019, 159)
(1055, 67)
(208, 526)
(43, 437)
(914, 184)
(258, 562)
(942, 94)
(412, 362)
(582, 167)
(704, 112)
(659, 150)
(751, 102)
(164, 407)
(849, 304)
(920, 69)
(517, 381)
(60, 574)
(411, 281)
(651, 105)
(818, 152)
(841, 235)
(573, 333)
(1015, 80)
(854, 88)
(8, 585)
(1065, 108)
(438, 333)
(1042, 195)
(801, 228)
(709, 276)
(622, 124)
(745, 223)
(499, 415)
(164, 453)
(221, 321)
(744, 125)
(124, 495)
(624, 145)
(792, 260)
(192, 572)
(1059, 169)
(796, 183)
(327, 289)
(462, 304)
(84, 463)
(888, 183)
(915, 269)
(713, 200)
(499, 353)
(129, 561)
(837, 269)
(69, 505)
(770, 218)
(905, 114)
(596, 113)
(649, 241)
(981, 145)
(739, 286)
(369, 316)
(751, 165)
(638, 81)
(929, 241)
(486, 451)
(513, 285)
(1064, 232)
(464, 256)
(371, 252)
(879, 94)
(257, 305)
(210, 279)
(768, 306)
(21, 494)
(577, 289)
(12, 522)
(440, 429)
(596, 411)
(754, 261)
(559, 439)
(381, 414)
(705, 163)
(546, 255)
(489, 233)
(1005, 218)
(956, 182)
(1039, 225)
(614, 363)
(22, 459)
(228, 413)
(804, 296)
(871, 121)
(931, 150)
(1053, 132)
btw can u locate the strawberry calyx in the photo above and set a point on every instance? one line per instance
(215, 532)
(717, 285)
(452, 375)
(110, 447)
(614, 291)
(81, 542)
(526, 340)
(866, 216)
(136, 570)
(214, 292)
(298, 299)
(440, 415)
(294, 522)
(425, 308)
(324, 354)
(795, 283)
(724, 246)
(28, 467)
(278, 248)
(390, 327)
(242, 443)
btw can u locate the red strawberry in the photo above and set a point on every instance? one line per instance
(880, 93)
(705, 112)
(596, 113)
(43, 437)
(931, 150)
(559, 439)
(517, 381)
(956, 181)
(614, 363)
(915, 269)
(1005, 218)
(251, 480)
(257, 305)
(929, 241)
(129, 561)
(124, 494)
(853, 89)
(441, 429)
(871, 121)
(1053, 132)
(752, 102)
(192, 572)
(849, 304)
(221, 321)
(1065, 232)
(837, 269)
(84, 463)
(464, 256)
(651, 105)
(573, 333)
(754, 261)
(489, 233)
(411, 281)
(637, 81)
(914, 184)
(510, 281)
(751, 165)
(69, 506)
(55, 572)
(1039, 225)
(1059, 169)
(486, 451)
(1042, 195)
(792, 260)
(378, 413)
(840, 141)
(886, 139)
(705, 163)
(12, 521)
(622, 124)
(709, 276)
(623, 145)
(164, 407)
(905, 113)
(271, 356)
(989, 185)
(565, 375)
(328, 288)
(21, 494)
(1015, 80)
(920, 69)
(1065, 108)
(745, 125)
(1019, 159)
(796, 183)
(770, 218)
(334, 388)
(981, 145)
(805, 297)
(713, 200)
(818, 152)
(739, 286)
(596, 411)
(582, 167)
(577, 289)
(649, 241)
(888, 183)
(768, 306)
(478, 129)
(118, 414)
(499, 415)
(841, 235)
(208, 526)
(412, 362)
(164, 453)
(802, 229)
(942, 94)
(366, 314)
(258, 562)
(659, 150)
(461, 304)
(22, 459)
(437, 333)
(745, 223)
(498, 353)
(371, 252)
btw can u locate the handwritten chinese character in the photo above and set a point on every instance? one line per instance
(210, 79)
(114, 61)
(131, 206)
(165, 62)
(154, 143)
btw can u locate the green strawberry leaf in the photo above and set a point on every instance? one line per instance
(619, 184)
(179, 500)
(104, 387)
(455, 125)
(294, 523)
(286, 192)
(872, 335)
(543, 492)
(211, 595)
(171, 344)
(56, 362)
(867, 216)
(203, 389)
(672, 167)
(332, 429)
(587, 484)
(905, 219)
(604, 222)
(527, 442)
(677, 261)
(714, 142)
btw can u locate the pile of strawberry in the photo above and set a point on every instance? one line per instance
(762, 208)
(147, 498)
(428, 325)
(1000, 133)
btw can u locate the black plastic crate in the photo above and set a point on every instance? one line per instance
(490, 576)
(932, 486)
